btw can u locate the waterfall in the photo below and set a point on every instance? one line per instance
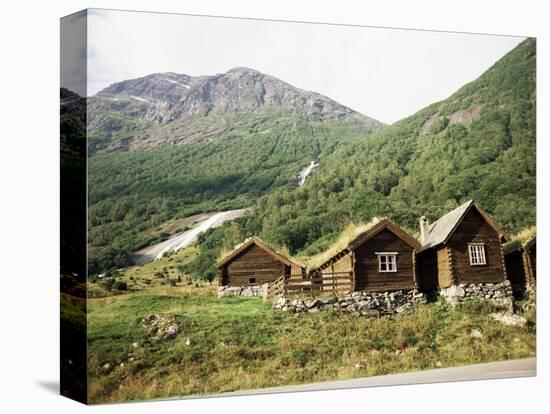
(306, 172)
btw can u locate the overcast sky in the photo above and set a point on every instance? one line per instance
(384, 73)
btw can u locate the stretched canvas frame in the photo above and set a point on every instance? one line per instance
(149, 249)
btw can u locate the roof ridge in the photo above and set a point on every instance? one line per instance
(260, 243)
(440, 229)
(470, 202)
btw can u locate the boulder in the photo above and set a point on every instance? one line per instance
(312, 303)
(454, 291)
(509, 319)
(281, 302)
(247, 292)
(476, 333)
(160, 327)
(329, 301)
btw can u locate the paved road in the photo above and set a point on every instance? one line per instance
(492, 370)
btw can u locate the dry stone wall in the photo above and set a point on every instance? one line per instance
(244, 291)
(500, 294)
(360, 303)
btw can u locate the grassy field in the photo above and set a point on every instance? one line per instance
(238, 343)
(168, 270)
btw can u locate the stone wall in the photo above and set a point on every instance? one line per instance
(360, 303)
(500, 294)
(530, 296)
(245, 291)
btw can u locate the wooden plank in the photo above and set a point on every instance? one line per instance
(443, 268)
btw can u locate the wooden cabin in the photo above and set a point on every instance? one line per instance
(530, 260)
(255, 263)
(515, 265)
(462, 247)
(380, 259)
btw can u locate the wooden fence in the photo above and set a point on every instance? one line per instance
(277, 287)
(321, 283)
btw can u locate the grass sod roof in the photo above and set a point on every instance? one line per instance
(522, 240)
(440, 231)
(355, 235)
(226, 256)
(349, 233)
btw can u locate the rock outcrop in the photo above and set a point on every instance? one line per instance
(159, 327)
(198, 107)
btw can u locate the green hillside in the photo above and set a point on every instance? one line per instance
(132, 193)
(479, 143)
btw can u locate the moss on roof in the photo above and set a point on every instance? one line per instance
(348, 234)
(281, 251)
(520, 239)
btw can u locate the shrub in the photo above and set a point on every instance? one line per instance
(209, 275)
(108, 283)
(439, 125)
(119, 285)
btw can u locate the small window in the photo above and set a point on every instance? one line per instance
(252, 280)
(387, 262)
(477, 254)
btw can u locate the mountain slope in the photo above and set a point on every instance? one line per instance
(167, 146)
(479, 143)
(168, 108)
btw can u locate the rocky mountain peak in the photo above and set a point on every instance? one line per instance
(241, 89)
(181, 103)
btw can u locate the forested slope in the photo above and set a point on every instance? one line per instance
(479, 143)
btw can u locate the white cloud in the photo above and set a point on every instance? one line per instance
(385, 73)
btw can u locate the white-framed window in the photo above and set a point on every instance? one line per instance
(477, 254)
(387, 261)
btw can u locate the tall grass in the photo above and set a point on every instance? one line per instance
(349, 233)
(519, 239)
(239, 343)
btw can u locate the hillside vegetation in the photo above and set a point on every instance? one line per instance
(133, 193)
(239, 343)
(478, 144)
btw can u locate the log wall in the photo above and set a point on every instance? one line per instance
(253, 266)
(474, 229)
(367, 275)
